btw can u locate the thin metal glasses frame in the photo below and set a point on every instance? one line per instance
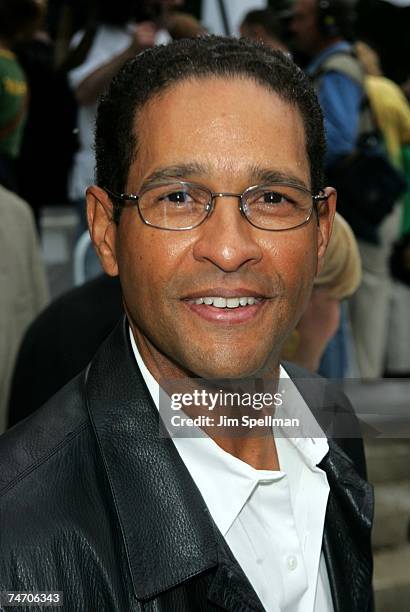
(209, 208)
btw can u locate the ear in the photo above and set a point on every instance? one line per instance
(103, 230)
(326, 212)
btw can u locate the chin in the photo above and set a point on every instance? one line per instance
(228, 369)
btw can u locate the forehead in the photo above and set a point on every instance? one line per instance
(224, 125)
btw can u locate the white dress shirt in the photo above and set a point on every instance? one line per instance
(272, 520)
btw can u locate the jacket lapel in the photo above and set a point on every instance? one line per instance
(349, 513)
(168, 533)
(346, 539)
(230, 589)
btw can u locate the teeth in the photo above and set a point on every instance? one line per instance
(221, 302)
(232, 302)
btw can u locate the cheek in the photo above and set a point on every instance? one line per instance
(294, 257)
(148, 261)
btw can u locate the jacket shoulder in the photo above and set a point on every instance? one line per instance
(34, 440)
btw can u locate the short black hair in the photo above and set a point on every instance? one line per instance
(154, 70)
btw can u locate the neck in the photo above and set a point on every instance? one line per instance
(254, 446)
(259, 452)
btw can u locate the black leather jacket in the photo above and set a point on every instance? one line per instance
(94, 503)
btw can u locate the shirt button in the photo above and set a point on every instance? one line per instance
(292, 562)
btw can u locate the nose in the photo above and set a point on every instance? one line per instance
(226, 239)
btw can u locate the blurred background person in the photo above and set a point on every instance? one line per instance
(18, 18)
(23, 286)
(318, 330)
(324, 30)
(64, 19)
(122, 30)
(264, 26)
(49, 128)
(385, 25)
(182, 25)
(116, 39)
(61, 341)
(388, 102)
(392, 113)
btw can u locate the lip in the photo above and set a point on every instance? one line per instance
(226, 316)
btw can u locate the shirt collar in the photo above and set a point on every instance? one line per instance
(311, 442)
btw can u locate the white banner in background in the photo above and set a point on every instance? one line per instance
(235, 12)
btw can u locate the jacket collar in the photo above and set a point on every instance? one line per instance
(347, 533)
(168, 533)
(165, 524)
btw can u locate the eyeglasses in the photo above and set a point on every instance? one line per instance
(181, 205)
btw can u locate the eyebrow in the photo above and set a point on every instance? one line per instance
(178, 171)
(267, 176)
(257, 174)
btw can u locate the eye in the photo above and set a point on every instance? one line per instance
(177, 197)
(272, 197)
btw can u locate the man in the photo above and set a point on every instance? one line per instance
(211, 208)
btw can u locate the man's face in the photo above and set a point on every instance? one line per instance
(304, 27)
(231, 130)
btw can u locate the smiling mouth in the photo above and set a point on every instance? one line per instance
(228, 303)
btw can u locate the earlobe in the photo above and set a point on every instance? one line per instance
(326, 213)
(103, 230)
